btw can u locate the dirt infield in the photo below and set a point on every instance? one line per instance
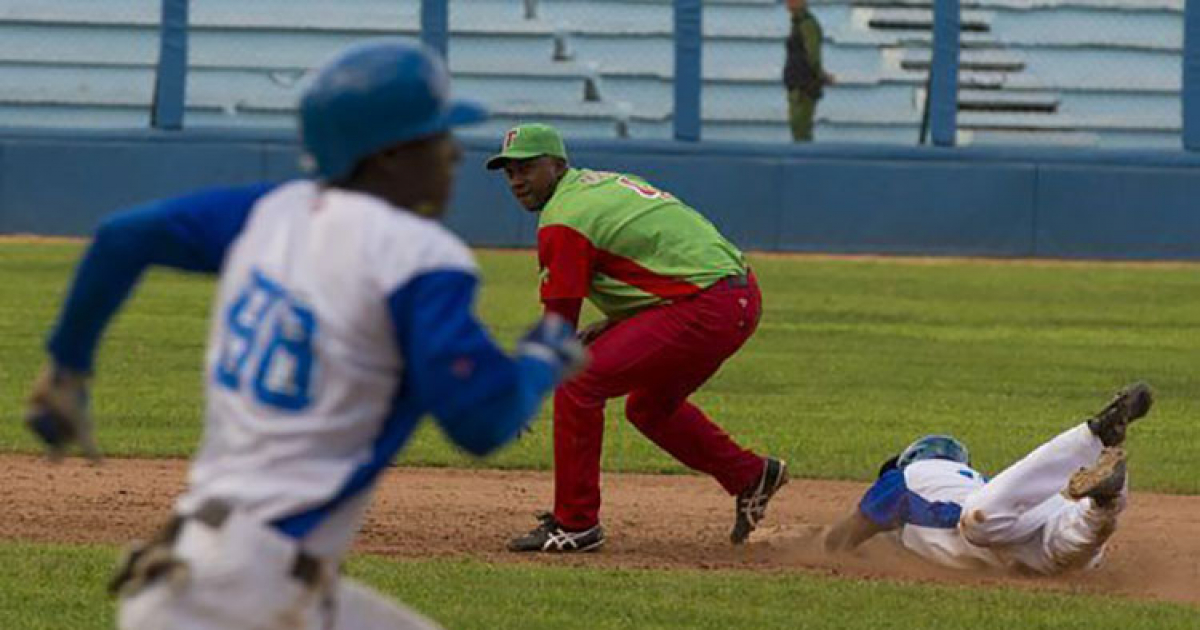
(673, 522)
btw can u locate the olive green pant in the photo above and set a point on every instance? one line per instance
(801, 109)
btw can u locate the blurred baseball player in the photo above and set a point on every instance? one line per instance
(678, 300)
(1051, 512)
(343, 315)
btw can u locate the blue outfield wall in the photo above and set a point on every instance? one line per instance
(814, 198)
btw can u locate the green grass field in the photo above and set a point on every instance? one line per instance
(854, 359)
(55, 587)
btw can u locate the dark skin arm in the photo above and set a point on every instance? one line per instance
(851, 531)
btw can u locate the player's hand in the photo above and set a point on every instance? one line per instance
(590, 333)
(553, 340)
(58, 412)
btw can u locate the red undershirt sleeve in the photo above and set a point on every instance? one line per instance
(567, 260)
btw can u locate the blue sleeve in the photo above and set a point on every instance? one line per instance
(190, 233)
(884, 502)
(479, 396)
(890, 504)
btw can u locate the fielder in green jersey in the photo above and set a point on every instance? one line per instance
(678, 300)
(649, 247)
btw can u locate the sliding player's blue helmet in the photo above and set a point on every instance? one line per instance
(934, 447)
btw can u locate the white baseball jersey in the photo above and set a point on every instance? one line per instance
(303, 363)
(922, 505)
(950, 514)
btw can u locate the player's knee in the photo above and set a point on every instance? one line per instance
(644, 410)
(972, 527)
(638, 410)
(981, 527)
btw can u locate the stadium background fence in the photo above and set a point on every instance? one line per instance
(940, 199)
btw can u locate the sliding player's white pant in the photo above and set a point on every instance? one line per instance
(1023, 514)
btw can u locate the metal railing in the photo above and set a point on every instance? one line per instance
(953, 42)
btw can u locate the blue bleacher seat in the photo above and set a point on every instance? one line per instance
(1083, 72)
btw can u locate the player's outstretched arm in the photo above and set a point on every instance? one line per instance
(480, 396)
(884, 507)
(851, 531)
(190, 232)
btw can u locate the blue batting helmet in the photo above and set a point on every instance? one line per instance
(934, 447)
(375, 95)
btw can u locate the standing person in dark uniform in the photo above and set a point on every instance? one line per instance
(803, 75)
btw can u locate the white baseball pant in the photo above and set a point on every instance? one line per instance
(239, 577)
(1023, 514)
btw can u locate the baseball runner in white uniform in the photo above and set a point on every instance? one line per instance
(1051, 512)
(343, 315)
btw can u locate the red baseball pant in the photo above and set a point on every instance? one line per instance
(658, 357)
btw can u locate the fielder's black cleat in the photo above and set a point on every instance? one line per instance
(1128, 405)
(751, 504)
(1102, 481)
(550, 537)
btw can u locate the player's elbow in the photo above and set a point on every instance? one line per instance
(485, 425)
(483, 428)
(479, 432)
(481, 448)
(848, 533)
(112, 234)
(125, 233)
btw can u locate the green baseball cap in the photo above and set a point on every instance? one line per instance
(528, 141)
